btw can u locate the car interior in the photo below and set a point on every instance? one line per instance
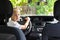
(41, 13)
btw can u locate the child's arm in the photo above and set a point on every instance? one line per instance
(26, 24)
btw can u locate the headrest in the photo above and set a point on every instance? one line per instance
(57, 10)
(10, 9)
(6, 10)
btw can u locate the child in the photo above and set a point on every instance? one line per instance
(15, 17)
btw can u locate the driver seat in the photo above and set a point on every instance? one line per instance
(6, 32)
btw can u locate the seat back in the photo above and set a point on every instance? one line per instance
(7, 36)
(52, 31)
(57, 10)
(12, 30)
(6, 10)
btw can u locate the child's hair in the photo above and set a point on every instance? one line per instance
(17, 8)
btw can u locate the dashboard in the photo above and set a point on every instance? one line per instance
(37, 26)
(38, 23)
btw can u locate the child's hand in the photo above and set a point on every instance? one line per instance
(27, 19)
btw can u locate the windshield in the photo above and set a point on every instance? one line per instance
(35, 7)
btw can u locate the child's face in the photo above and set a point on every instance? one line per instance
(16, 15)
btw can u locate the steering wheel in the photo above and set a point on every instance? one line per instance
(28, 29)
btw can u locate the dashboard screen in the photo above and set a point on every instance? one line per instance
(35, 7)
